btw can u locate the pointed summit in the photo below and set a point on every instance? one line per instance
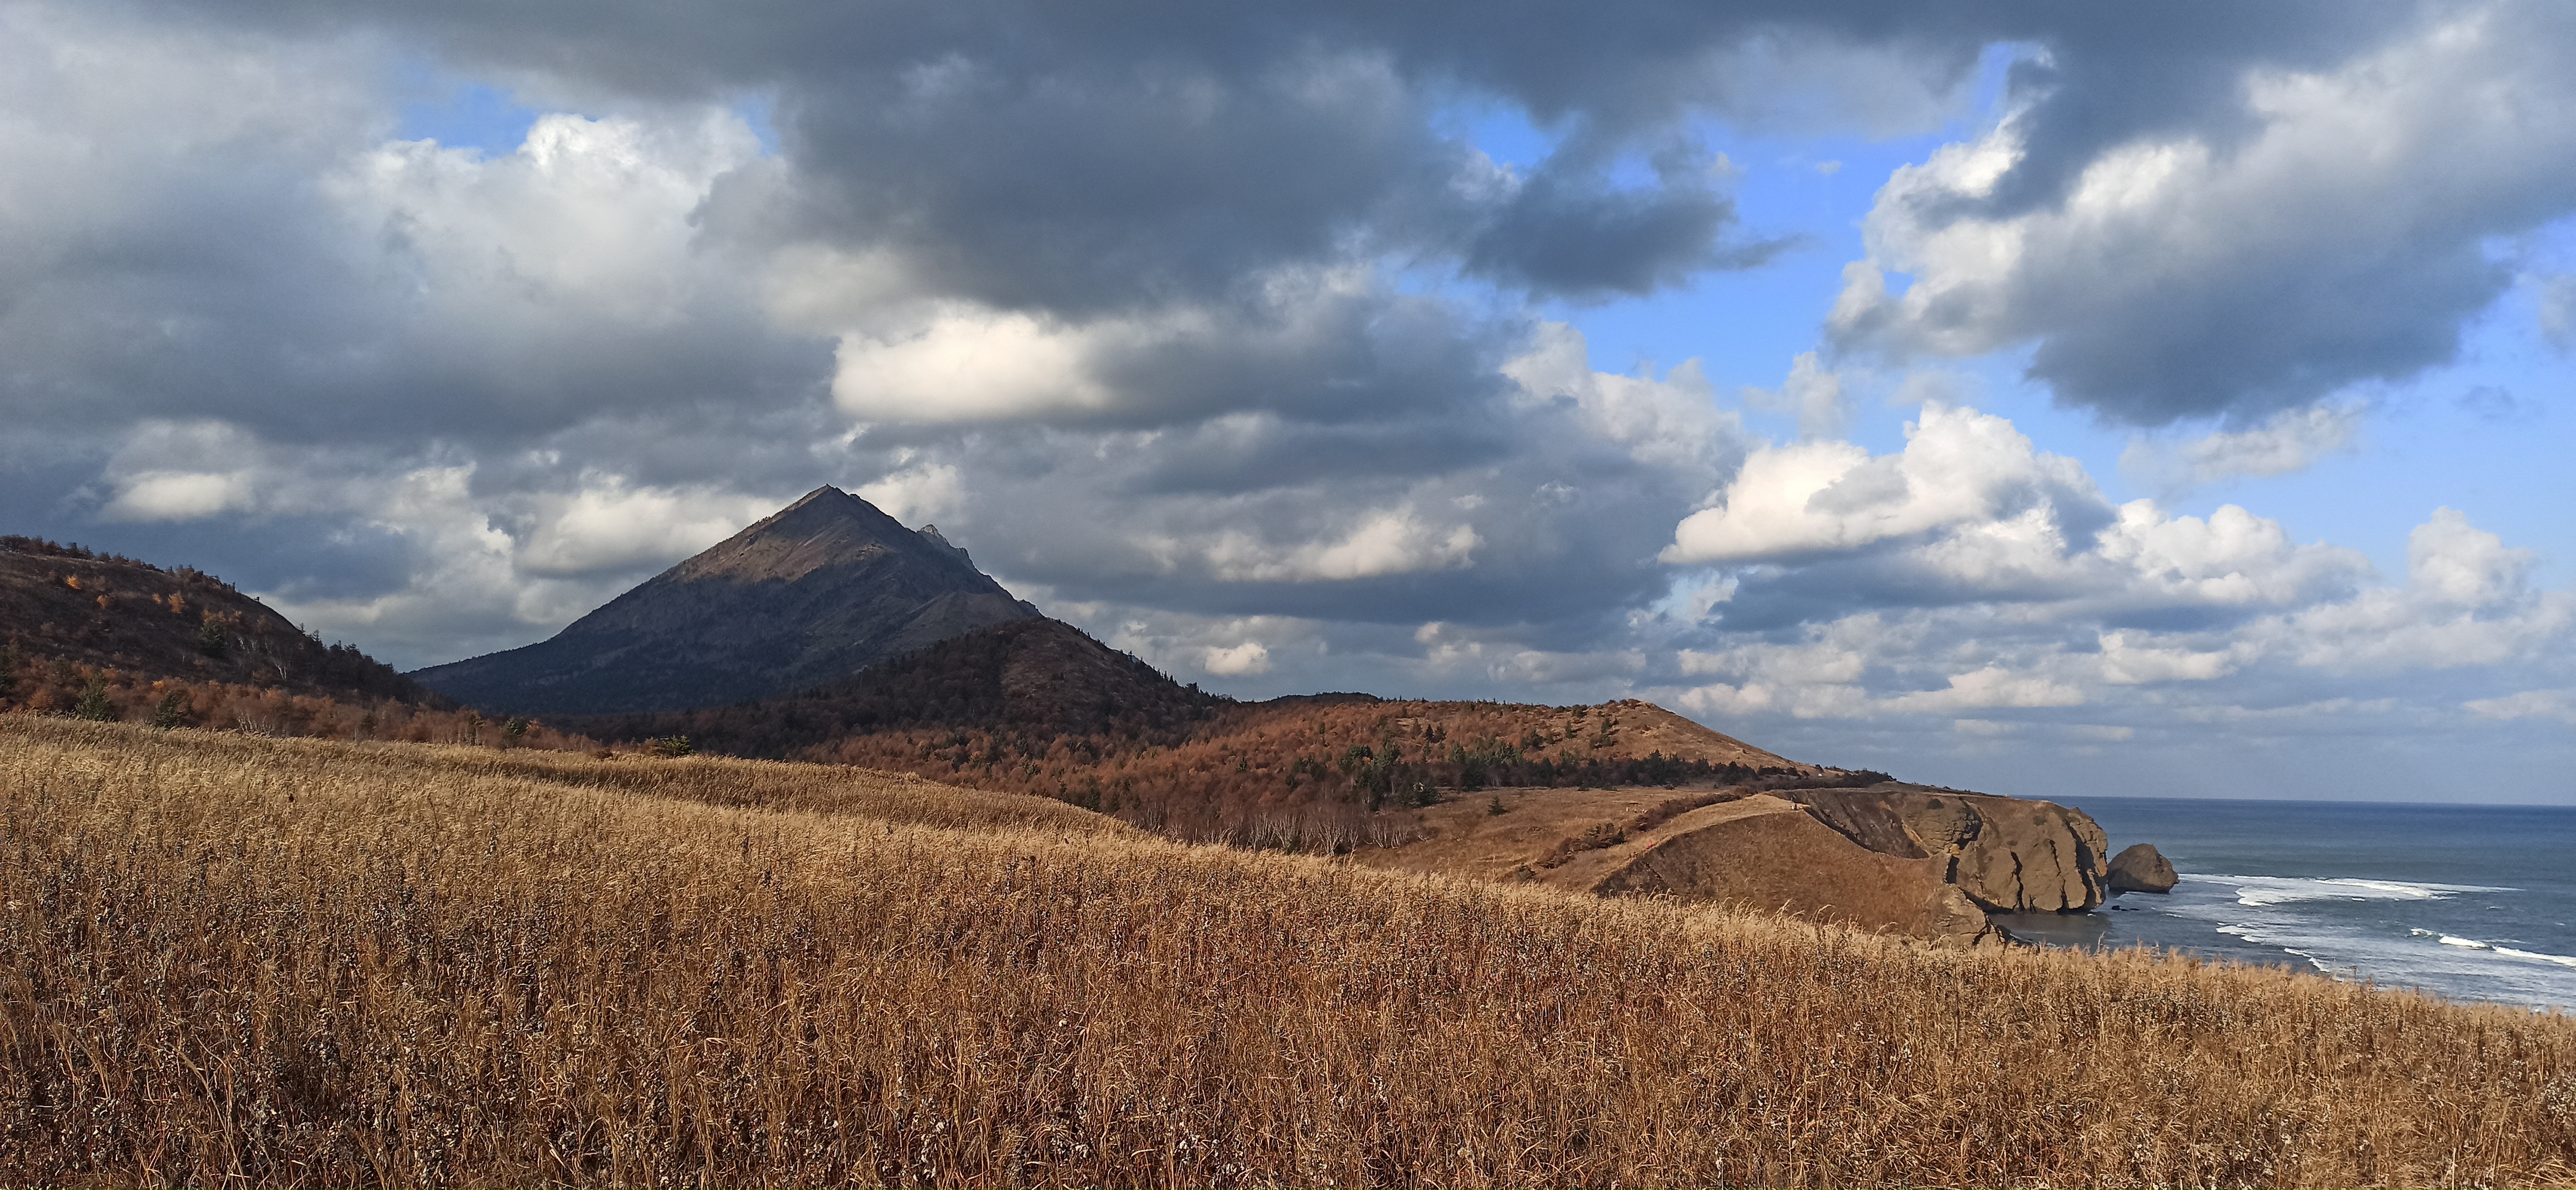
(806, 596)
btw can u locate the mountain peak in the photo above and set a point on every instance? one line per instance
(827, 527)
(805, 596)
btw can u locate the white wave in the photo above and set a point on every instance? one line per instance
(2259, 891)
(2313, 961)
(2497, 948)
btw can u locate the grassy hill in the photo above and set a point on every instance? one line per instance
(1037, 707)
(232, 958)
(110, 638)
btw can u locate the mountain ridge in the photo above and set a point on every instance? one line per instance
(78, 608)
(803, 597)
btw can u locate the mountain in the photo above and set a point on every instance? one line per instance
(71, 616)
(1033, 678)
(804, 598)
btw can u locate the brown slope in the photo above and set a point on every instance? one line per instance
(806, 597)
(1038, 707)
(66, 608)
(1620, 798)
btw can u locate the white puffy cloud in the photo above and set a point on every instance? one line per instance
(1959, 468)
(920, 493)
(2467, 602)
(1250, 657)
(2231, 558)
(2258, 259)
(1392, 541)
(1674, 421)
(587, 219)
(604, 523)
(969, 365)
(1970, 573)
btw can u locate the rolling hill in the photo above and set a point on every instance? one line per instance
(71, 618)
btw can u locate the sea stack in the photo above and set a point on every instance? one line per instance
(2141, 868)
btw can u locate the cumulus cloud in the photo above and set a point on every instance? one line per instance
(2259, 253)
(1971, 573)
(1250, 657)
(1959, 468)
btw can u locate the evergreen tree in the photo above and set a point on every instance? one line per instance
(173, 711)
(210, 637)
(93, 703)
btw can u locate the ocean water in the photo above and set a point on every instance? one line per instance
(2467, 902)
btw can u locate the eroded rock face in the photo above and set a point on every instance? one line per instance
(1765, 854)
(2141, 868)
(2009, 855)
(2033, 857)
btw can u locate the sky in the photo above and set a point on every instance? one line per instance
(2154, 400)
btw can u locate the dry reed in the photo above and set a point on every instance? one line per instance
(283, 962)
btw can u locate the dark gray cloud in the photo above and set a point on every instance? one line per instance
(2248, 217)
(1212, 327)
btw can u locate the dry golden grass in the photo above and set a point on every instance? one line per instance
(291, 962)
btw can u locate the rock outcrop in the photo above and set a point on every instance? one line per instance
(1763, 853)
(2010, 855)
(1902, 859)
(2141, 868)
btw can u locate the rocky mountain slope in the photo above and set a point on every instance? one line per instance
(1031, 679)
(802, 599)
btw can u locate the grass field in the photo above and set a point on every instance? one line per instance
(226, 958)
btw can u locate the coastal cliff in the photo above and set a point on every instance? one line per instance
(2010, 855)
(1902, 859)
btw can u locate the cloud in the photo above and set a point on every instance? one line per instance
(920, 493)
(604, 524)
(1250, 657)
(1220, 332)
(2559, 705)
(2264, 250)
(1959, 467)
(1813, 394)
(2288, 441)
(2558, 311)
(2131, 659)
(1673, 422)
(1383, 543)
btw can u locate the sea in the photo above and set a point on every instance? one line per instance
(2472, 903)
